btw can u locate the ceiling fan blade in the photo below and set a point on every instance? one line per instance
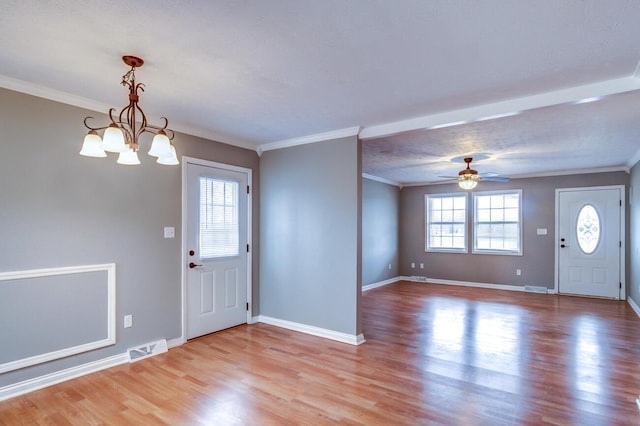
(495, 178)
(448, 177)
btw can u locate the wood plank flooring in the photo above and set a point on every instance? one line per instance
(435, 355)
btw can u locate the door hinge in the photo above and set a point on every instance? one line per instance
(620, 287)
(619, 243)
(247, 189)
(247, 306)
(247, 248)
(620, 203)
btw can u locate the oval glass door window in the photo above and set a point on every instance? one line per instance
(588, 229)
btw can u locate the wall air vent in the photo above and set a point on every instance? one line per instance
(147, 350)
(535, 289)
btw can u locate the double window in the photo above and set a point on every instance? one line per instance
(497, 222)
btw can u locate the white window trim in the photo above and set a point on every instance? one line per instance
(426, 224)
(474, 231)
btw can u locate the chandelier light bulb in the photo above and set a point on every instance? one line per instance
(161, 145)
(170, 160)
(114, 139)
(92, 145)
(128, 158)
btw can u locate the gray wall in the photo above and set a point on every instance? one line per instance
(380, 238)
(537, 261)
(310, 226)
(61, 209)
(633, 283)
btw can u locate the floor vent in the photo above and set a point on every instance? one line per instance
(417, 278)
(535, 289)
(147, 350)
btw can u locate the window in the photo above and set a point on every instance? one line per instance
(588, 229)
(219, 230)
(446, 222)
(497, 222)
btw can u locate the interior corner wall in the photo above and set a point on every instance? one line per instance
(537, 262)
(60, 209)
(310, 227)
(380, 233)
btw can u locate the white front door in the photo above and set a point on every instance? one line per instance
(216, 244)
(589, 241)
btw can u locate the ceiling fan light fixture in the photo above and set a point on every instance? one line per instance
(468, 182)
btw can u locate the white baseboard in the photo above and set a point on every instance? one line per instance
(381, 283)
(315, 331)
(469, 284)
(178, 341)
(36, 383)
(54, 378)
(634, 306)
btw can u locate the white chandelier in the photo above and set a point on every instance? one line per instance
(122, 134)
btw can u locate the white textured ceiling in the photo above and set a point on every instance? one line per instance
(257, 72)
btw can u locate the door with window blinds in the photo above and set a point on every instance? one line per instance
(216, 249)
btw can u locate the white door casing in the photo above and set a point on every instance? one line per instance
(216, 285)
(590, 254)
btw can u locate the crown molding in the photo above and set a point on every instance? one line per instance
(634, 159)
(51, 94)
(382, 180)
(504, 108)
(318, 137)
(92, 105)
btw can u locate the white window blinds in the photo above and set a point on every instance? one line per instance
(219, 230)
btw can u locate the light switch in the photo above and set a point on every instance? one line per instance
(169, 232)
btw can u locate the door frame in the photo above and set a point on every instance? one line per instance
(200, 162)
(623, 234)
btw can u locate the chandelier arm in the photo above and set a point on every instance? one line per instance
(150, 128)
(112, 118)
(92, 128)
(170, 134)
(143, 123)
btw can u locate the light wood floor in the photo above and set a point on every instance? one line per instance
(434, 355)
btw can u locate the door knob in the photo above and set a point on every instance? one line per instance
(562, 245)
(193, 265)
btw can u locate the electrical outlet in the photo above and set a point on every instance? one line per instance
(413, 265)
(128, 321)
(422, 266)
(518, 272)
(389, 266)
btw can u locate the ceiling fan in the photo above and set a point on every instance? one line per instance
(468, 178)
